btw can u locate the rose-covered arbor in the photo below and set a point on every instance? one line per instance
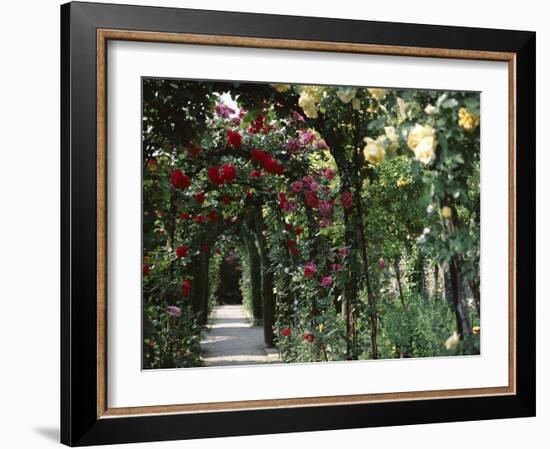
(338, 197)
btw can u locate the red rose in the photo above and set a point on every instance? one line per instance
(200, 197)
(283, 201)
(258, 155)
(286, 332)
(347, 200)
(212, 216)
(185, 287)
(229, 172)
(179, 179)
(309, 270)
(194, 151)
(311, 199)
(289, 227)
(185, 216)
(294, 250)
(152, 164)
(215, 175)
(181, 251)
(308, 337)
(234, 139)
(198, 219)
(258, 125)
(291, 243)
(256, 174)
(298, 231)
(145, 269)
(226, 200)
(270, 164)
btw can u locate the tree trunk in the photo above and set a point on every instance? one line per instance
(462, 321)
(254, 262)
(373, 314)
(350, 287)
(205, 292)
(474, 286)
(398, 278)
(267, 283)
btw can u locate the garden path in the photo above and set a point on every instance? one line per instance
(231, 339)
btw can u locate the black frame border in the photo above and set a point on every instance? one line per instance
(79, 422)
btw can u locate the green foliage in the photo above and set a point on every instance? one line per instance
(170, 341)
(417, 329)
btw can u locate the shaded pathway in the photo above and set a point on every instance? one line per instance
(231, 339)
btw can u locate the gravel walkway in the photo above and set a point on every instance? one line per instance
(231, 339)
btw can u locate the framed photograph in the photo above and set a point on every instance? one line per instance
(282, 224)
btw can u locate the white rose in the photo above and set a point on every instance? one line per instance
(374, 150)
(418, 133)
(452, 342)
(424, 151)
(430, 109)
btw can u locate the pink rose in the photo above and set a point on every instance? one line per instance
(344, 252)
(321, 144)
(314, 186)
(329, 174)
(296, 186)
(173, 311)
(325, 208)
(307, 180)
(306, 138)
(309, 270)
(346, 199)
(327, 281)
(336, 267)
(293, 145)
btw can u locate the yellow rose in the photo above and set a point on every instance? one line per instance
(476, 330)
(418, 133)
(374, 150)
(378, 94)
(402, 182)
(452, 342)
(309, 97)
(321, 327)
(281, 88)
(391, 134)
(425, 151)
(356, 104)
(446, 212)
(308, 105)
(467, 120)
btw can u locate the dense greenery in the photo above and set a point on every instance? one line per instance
(351, 213)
